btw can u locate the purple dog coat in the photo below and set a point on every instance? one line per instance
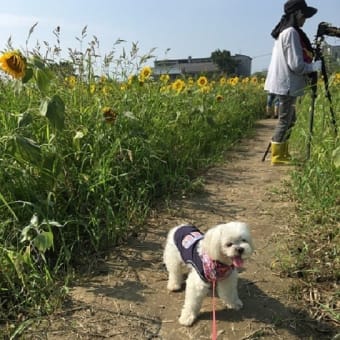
(186, 239)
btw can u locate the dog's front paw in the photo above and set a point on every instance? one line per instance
(237, 304)
(187, 319)
(174, 287)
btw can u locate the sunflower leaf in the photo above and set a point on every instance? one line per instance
(28, 149)
(44, 241)
(54, 111)
(28, 75)
(37, 62)
(42, 79)
(25, 119)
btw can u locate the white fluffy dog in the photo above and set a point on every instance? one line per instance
(214, 256)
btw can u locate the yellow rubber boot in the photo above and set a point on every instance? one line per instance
(286, 151)
(279, 156)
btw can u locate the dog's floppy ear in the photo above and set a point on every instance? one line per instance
(212, 242)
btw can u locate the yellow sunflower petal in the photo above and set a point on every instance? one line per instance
(13, 63)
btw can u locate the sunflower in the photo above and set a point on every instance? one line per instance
(109, 115)
(223, 81)
(219, 97)
(337, 78)
(71, 81)
(178, 85)
(164, 78)
(102, 79)
(245, 80)
(145, 73)
(202, 81)
(234, 81)
(13, 63)
(254, 81)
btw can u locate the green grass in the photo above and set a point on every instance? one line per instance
(314, 247)
(74, 183)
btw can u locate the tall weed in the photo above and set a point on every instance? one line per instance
(85, 157)
(315, 247)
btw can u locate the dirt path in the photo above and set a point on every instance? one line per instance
(126, 296)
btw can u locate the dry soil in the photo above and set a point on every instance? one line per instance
(125, 296)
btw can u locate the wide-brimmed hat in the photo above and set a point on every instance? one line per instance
(293, 5)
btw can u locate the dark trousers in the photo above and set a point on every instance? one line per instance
(287, 119)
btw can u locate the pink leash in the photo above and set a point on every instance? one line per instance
(214, 326)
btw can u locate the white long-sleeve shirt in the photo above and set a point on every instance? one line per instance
(287, 69)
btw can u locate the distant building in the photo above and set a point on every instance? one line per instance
(333, 51)
(197, 66)
(243, 68)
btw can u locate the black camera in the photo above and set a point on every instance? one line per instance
(325, 28)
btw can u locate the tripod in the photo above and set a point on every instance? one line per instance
(319, 56)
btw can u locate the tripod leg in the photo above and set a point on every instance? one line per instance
(314, 85)
(266, 152)
(311, 123)
(328, 94)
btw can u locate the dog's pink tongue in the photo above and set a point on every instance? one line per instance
(237, 261)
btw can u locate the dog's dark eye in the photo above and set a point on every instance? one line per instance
(244, 240)
(229, 244)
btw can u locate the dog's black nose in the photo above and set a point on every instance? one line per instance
(240, 250)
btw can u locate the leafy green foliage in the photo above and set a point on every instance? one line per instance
(54, 110)
(314, 250)
(84, 159)
(224, 61)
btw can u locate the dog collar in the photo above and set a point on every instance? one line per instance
(215, 270)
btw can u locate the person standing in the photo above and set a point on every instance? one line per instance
(291, 64)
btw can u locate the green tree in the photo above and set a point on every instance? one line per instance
(63, 69)
(224, 61)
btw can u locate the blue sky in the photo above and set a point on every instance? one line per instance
(186, 27)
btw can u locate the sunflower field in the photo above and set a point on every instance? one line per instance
(85, 156)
